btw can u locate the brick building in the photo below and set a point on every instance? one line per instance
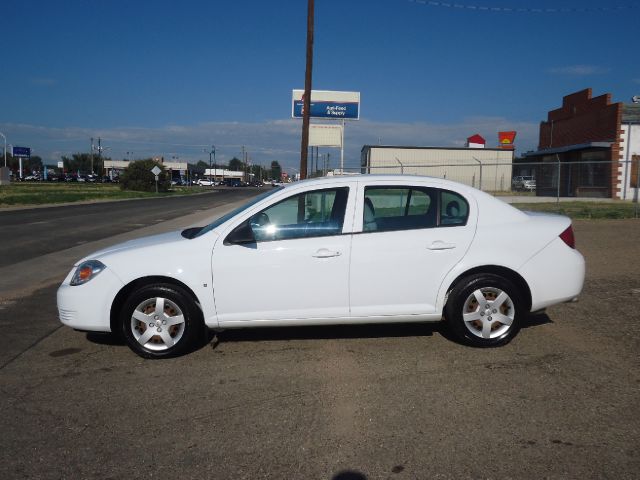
(587, 146)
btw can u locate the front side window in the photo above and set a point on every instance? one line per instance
(310, 214)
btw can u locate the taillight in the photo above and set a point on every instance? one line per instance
(568, 238)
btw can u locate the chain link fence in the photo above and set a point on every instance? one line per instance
(576, 179)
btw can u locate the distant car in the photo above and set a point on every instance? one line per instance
(529, 185)
(205, 182)
(371, 248)
(518, 182)
(233, 182)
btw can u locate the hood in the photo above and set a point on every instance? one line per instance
(163, 241)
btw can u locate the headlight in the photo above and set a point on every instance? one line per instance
(86, 271)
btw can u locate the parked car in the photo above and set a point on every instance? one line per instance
(518, 182)
(529, 185)
(233, 182)
(337, 250)
(205, 182)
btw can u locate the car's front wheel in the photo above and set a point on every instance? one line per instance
(485, 310)
(161, 320)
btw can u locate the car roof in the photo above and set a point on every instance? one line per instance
(361, 178)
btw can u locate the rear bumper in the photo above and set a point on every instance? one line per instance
(555, 275)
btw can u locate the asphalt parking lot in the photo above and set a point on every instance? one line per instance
(400, 401)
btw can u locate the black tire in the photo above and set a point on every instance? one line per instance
(164, 304)
(474, 321)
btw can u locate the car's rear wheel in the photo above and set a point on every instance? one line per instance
(485, 310)
(161, 320)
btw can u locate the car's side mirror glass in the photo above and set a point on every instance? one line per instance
(240, 235)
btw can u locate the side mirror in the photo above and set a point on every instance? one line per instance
(241, 235)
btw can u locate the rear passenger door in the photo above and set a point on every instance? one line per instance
(411, 236)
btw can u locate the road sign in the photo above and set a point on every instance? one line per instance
(156, 171)
(60, 164)
(21, 152)
(328, 104)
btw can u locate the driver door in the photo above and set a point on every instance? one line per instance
(291, 266)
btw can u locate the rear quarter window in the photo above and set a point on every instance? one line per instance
(454, 209)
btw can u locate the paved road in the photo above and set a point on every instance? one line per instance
(357, 402)
(30, 233)
(58, 244)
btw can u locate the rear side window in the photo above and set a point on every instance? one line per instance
(406, 208)
(454, 209)
(403, 208)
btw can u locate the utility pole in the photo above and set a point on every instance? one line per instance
(211, 152)
(244, 161)
(99, 151)
(91, 154)
(304, 148)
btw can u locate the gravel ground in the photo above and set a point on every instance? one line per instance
(357, 402)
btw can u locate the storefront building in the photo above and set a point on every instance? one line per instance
(586, 148)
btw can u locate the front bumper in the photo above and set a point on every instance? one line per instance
(88, 306)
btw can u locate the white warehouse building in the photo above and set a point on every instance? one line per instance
(488, 169)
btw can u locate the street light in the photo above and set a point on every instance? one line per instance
(212, 151)
(5, 148)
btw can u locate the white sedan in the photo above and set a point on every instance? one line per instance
(206, 182)
(360, 249)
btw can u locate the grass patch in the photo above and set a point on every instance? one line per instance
(52, 193)
(585, 210)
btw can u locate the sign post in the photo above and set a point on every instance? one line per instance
(156, 171)
(20, 153)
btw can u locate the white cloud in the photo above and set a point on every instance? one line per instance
(579, 70)
(43, 81)
(264, 142)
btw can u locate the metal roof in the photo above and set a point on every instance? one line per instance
(631, 113)
(408, 147)
(568, 148)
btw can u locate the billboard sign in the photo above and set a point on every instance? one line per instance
(325, 136)
(328, 104)
(506, 140)
(21, 152)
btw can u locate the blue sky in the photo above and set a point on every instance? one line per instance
(168, 78)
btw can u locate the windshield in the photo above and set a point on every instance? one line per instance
(233, 213)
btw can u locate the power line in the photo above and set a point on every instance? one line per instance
(485, 8)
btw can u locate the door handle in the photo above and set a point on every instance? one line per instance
(440, 245)
(326, 253)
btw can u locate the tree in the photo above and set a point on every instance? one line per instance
(276, 171)
(236, 164)
(258, 172)
(81, 162)
(31, 164)
(138, 176)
